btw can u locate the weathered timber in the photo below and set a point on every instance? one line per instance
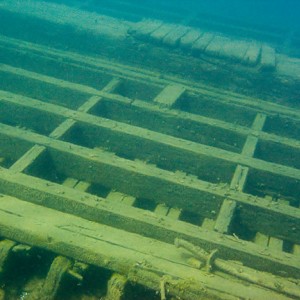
(201, 44)
(54, 279)
(106, 247)
(169, 95)
(116, 287)
(6, 247)
(124, 71)
(146, 223)
(268, 58)
(173, 38)
(225, 216)
(200, 149)
(189, 38)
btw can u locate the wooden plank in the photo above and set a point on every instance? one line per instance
(128, 200)
(174, 36)
(169, 95)
(164, 139)
(6, 246)
(69, 16)
(70, 182)
(182, 188)
(2, 294)
(161, 32)
(120, 197)
(124, 71)
(208, 224)
(145, 27)
(268, 58)
(190, 38)
(105, 246)
(28, 158)
(259, 122)
(239, 178)
(216, 45)
(182, 115)
(275, 244)
(59, 131)
(82, 186)
(161, 209)
(200, 44)
(225, 216)
(250, 146)
(234, 50)
(94, 100)
(54, 279)
(296, 249)
(116, 287)
(115, 196)
(252, 54)
(251, 142)
(142, 222)
(261, 239)
(174, 213)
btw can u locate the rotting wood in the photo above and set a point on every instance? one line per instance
(164, 179)
(116, 287)
(54, 279)
(169, 95)
(63, 233)
(263, 279)
(72, 194)
(125, 217)
(268, 58)
(225, 216)
(191, 146)
(135, 73)
(6, 247)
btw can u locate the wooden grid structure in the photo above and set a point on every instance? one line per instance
(117, 167)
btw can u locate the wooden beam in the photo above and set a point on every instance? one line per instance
(225, 216)
(169, 95)
(58, 197)
(137, 73)
(106, 247)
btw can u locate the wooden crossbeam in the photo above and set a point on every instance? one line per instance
(140, 104)
(225, 216)
(169, 95)
(191, 147)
